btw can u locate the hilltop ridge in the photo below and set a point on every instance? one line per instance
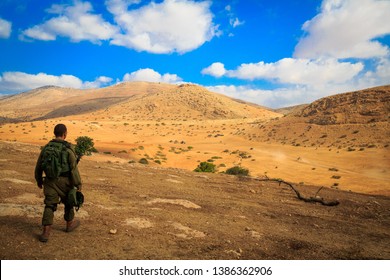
(137, 99)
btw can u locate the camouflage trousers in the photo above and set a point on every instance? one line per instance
(56, 191)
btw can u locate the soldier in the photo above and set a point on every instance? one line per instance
(58, 160)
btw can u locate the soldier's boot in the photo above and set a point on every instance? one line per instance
(72, 225)
(44, 237)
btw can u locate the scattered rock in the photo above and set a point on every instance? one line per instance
(181, 202)
(138, 223)
(16, 181)
(174, 181)
(113, 231)
(187, 232)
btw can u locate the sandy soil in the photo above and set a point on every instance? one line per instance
(226, 143)
(134, 211)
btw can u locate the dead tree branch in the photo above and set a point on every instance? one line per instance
(314, 199)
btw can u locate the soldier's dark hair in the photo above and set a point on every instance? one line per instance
(60, 130)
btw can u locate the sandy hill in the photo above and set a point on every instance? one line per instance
(353, 120)
(184, 102)
(137, 212)
(135, 99)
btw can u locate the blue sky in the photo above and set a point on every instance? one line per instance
(273, 53)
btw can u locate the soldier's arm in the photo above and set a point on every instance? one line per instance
(74, 171)
(39, 171)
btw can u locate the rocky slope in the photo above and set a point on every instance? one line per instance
(364, 106)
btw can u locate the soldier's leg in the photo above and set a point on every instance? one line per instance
(64, 185)
(51, 201)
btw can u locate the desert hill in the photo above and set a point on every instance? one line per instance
(184, 102)
(138, 100)
(290, 109)
(52, 101)
(364, 106)
(133, 211)
(354, 121)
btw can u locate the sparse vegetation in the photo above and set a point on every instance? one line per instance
(237, 170)
(206, 167)
(143, 161)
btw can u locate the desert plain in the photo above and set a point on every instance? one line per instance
(336, 148)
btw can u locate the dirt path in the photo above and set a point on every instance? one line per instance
(140, 212)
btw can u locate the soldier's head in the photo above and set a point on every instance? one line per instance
(60, 131)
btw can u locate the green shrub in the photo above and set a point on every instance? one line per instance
(143, 161)
(205, 167)
(237, 170)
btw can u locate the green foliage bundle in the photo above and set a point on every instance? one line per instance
(84, 146)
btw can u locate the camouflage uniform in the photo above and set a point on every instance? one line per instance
(56, 190)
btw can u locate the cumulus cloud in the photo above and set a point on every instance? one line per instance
(14, 82)
(346, 29)
(291, 71)
(277, 98)
(76, 22)
(166, 27)
(299, 93)
(150, 75)
(5, 28)
(98, 82)
(217, 69)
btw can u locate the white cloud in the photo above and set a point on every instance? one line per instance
(236, 22)
(217, 69)
(75, 21)
(346, 29)
(277, 98)
(5, 28)
(166, 27)
(150, 75)
(99, 82)
(291, 71)
(343, 29)
(15, 82)
(294, 94)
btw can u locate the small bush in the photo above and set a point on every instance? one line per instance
(237, 170)
(143, 161)
(205, 167)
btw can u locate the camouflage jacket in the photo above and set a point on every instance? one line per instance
(74, 175)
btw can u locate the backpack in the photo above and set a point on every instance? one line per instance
(55, 159)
